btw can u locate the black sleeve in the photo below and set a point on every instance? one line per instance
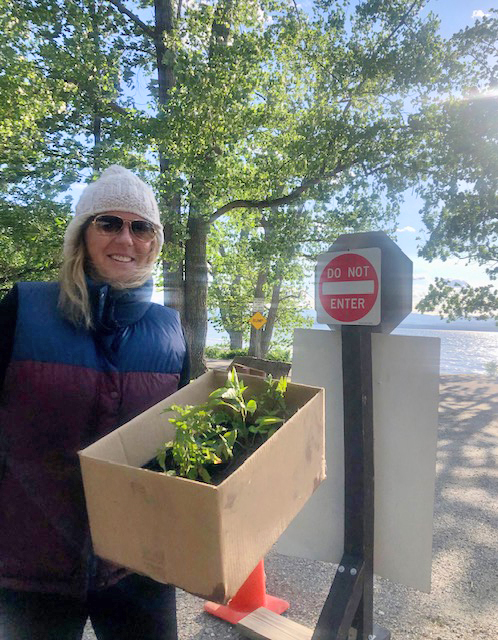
(8, 318)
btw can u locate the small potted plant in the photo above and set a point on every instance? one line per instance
(238, 459)
(213, 438)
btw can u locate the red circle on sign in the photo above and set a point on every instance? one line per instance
(348, 287)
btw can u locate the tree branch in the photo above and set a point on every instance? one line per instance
(26, 273)
(269, 203)
(398, 26)
(298, 16)
(122, 9)
(376, 51)
(113, 106)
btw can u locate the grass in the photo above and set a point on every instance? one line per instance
(223, 352)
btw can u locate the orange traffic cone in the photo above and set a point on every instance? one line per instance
(251, 595)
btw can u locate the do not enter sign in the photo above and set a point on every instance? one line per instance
(348, 287)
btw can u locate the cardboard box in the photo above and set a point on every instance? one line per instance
(202, 538)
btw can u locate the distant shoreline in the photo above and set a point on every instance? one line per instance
(449, 327)
(431, 322)
(435, 327)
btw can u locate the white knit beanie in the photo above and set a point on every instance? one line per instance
(117, 189)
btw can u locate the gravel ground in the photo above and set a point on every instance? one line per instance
(463, 604)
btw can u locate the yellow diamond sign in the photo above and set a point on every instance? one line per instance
(257, 320)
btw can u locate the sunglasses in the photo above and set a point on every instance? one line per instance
(107, 225)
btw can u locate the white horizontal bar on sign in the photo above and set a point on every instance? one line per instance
(352, 287)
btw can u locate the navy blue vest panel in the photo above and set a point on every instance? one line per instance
(48, 337)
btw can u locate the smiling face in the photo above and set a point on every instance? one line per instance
(120, 258)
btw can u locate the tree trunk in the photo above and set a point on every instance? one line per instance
(97, 118)
(174, 292)
(196, 268)
(228, 322)
(164, 19)
(236, 339)
(196, 291)
(255, 342)
(191, 299)
(271, 319)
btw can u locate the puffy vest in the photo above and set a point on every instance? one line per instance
(64, 388)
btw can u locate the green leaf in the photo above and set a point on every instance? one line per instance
(229, 394)
(217, 393)
(282, 385)
(266, 420)
(251, 406)
(204, 474)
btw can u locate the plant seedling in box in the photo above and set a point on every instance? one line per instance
(219, 434)
(205, 537)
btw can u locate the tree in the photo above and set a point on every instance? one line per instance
(233, 271)
(268, 258)
(243, 259)
(280, 268)
(31, 220)
(57, 88)
(253, 106)
(460, 301)
(326, 107)
(460, 193)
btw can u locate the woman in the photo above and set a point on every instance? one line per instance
(79, 358)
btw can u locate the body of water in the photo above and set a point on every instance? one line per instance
(461, 351)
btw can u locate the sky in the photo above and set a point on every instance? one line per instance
(454, 16)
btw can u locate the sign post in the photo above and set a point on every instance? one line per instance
(350, 600)
(398, 378)
(363, 284)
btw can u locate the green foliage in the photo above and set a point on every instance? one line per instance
(198, 443)
(223, 352)
(307, 124)
(294, 302)
(242, 249)
(461, 193)
(210, 434)
(460, 301)
(59, 77)
(233, 268)
(31, 241)
(278, 352)
(460, 168)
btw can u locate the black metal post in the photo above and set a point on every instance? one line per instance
(349, 604)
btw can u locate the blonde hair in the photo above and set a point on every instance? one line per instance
(74, 301)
